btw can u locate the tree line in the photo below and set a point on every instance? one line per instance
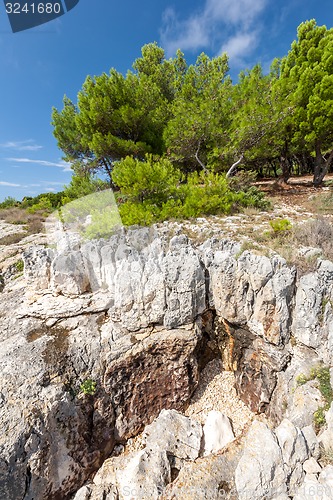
(280, 123)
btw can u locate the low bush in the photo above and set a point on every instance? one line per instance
(149, 195)
(9, 202)
(280, 225)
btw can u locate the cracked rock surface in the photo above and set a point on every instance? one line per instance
(96, 341)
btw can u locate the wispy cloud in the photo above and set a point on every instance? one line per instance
(28, 145)
(10, 184)
(61, 164)
(229, 25)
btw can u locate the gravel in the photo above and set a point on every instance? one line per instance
(216, 391)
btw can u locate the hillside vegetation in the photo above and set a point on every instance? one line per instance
(169, 137)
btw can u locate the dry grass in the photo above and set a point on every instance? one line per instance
(15, 215)
(316, 233)
(11, 239)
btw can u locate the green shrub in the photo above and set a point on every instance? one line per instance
(19, 265)
(280, 225)
(82, 185)
(44, 205)
(153, 179)
(88, 387)
(102, 223)
(9, 202)
(202, 194)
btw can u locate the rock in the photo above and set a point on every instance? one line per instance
(253, 290)
(326, 437)
(292, 444)
(311, 441)
(310, 489)
(67, 274)
(310, 325)
(37, 263)
(317, 488)
(83, 493)
(295, 479)
(217, 432)
(177, 435)
(145, 475)
(260, 472)
(54, 435)
(208, 478)
(292, 400)
(311, 466)
(160, 372)
(326, 480)
(98, 339)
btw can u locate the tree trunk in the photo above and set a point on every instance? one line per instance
(285, 165)
(321, 166)
(108, 170)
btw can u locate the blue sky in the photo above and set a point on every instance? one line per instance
(40, 65)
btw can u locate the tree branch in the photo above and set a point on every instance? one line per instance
(233, 167)
(198, 159)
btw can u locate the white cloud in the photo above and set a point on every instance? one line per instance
(240, 45)
(233, 11)
(231, 24)
(62, 164)
(28, 145)
(11, 184)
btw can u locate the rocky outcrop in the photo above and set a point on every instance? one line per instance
(99, 338)
(54, 433)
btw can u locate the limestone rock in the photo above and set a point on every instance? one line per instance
(292, 443)
(145, 475)
(217, 432)
(311, 441)
(159, 372)
(260, 472)
(253, 290)
(326, 437)
(177, 435)
(326, 480)
(311, 466)
(314, 291)
(54, 435)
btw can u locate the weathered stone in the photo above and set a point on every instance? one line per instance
(37, 264)
(292, 400)
(159, 372)
(83, 493)
(260, 472)
(311, 441)
(313, 314)
(326, 437)
(311, 466)
(53, 435)
(217, 432)
(177, 435)
(145, 475)
(253, 290)
(326, 480)
(254, 361)
(292, 443)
